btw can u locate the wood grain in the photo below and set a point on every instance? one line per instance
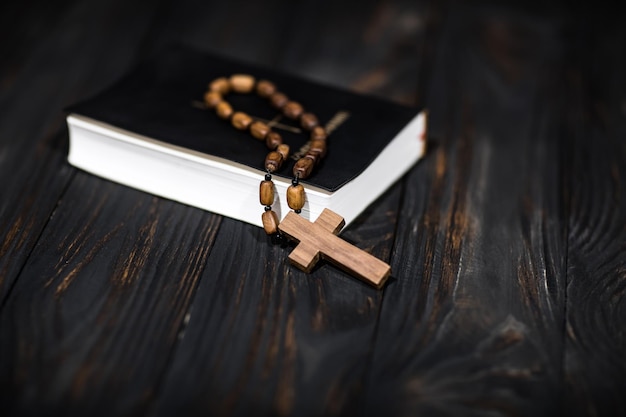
(97, 297)
(92, 298)
(473, 323)
(506, 242)
(62, 66)
(594, 360)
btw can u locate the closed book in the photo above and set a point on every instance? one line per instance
(151, 132)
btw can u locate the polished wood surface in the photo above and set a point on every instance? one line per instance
(506, 242)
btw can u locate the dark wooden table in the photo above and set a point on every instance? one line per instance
(507, 242)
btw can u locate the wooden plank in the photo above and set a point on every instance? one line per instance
(264, 338)
(473, 324)
(595, 346)
(67, 62)
(379, 48)
(22, 27)
(90, 324)
(249, 31)
(93, 297)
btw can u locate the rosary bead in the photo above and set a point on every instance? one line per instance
(223, 110)
(272, 140)
(315, 157)
(259, 130)
(303, 168)
(295, 197)
(266, 193)
(270, 222)
(241, 120)
(242, 83)
(308, 121)
(221, 85)
(278, 100)
(273, 161)
(283, 149)
(265, 88)
(293, 109)
(212, 99)
(318, 147)
(318, 133)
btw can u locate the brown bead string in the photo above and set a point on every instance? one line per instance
(279, 151)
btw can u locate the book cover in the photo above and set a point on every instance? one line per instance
(128, 131)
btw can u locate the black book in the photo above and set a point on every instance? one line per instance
(150, 131)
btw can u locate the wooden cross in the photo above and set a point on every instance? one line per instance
(319, 239)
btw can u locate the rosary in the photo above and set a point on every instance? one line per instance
(317, 239)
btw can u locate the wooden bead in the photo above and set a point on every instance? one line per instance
(273, 161)
(318, 147)
(313, 157)
(278, 100)
(270, 222)
(273, 139)
(223, 110)
(283, 149)
(221, 85)
(242, 83)
(308, 121)
(265, 88)
(212, 99)
(295, 197)
(259, 130)
(241, 120)
(293, 109)
(303, 168)
(318, 133)
(266, 193)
